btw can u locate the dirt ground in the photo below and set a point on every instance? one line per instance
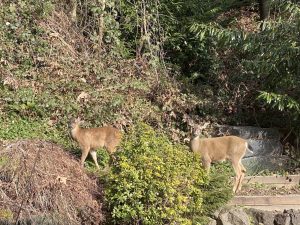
(261, 189)
(43, 184)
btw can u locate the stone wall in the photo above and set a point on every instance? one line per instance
(243, 216)
(266, 148)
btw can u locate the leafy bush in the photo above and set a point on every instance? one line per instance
(156, 182)
(218, 191)
(264, 63)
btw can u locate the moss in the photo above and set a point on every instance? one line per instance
(6, 214)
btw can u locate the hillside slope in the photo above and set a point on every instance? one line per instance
(50, 72)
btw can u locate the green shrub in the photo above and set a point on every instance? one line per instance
(218, 191)
(154, 181)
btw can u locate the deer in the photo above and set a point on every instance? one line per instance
(219, 149)
(90, 139)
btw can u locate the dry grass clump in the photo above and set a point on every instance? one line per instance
(42, 184)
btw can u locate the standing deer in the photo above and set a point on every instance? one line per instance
(90, 139)
(230, 148)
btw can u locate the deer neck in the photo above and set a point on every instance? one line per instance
(75, 131)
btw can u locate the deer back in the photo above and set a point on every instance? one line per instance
(219, 148)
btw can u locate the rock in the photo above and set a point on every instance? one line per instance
(261, 217)
(288, 217)
(270, 163)
(248, 132)
(282, 219)
(265, 146)
(295, 216)
(239, 216)
(212, 222)
(233, 216)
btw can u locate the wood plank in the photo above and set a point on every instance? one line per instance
(266, 200)
(288, 179)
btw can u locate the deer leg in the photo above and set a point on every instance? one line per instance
(238, 174)
(111, 148)
(94, 156)
(84, 154)
(239, 186)
(243, 171)
(206, 161)
(242, 167)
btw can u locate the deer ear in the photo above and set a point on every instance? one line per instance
(79, 121)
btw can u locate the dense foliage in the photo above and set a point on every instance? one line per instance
(228, 66)
(153, 181)
(171, 64)
(225, 54)
(266, 60)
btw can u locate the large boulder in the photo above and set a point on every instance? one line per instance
(261, 217)
(232, 216)
(266, 148)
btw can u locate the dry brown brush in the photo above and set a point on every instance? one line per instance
(43, 184)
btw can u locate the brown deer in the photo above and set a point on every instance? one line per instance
(90, 139)
(230, 148)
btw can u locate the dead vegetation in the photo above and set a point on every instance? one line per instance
(41, 183)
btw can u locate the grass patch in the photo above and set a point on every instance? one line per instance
(13, 128)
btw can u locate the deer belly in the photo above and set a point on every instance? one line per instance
(98, 144)
(219, 158)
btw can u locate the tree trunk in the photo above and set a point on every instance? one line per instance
(101, 24)
(264, 9)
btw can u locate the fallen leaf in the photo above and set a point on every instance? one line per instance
(83, 95)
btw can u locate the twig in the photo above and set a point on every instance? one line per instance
(288, 135)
